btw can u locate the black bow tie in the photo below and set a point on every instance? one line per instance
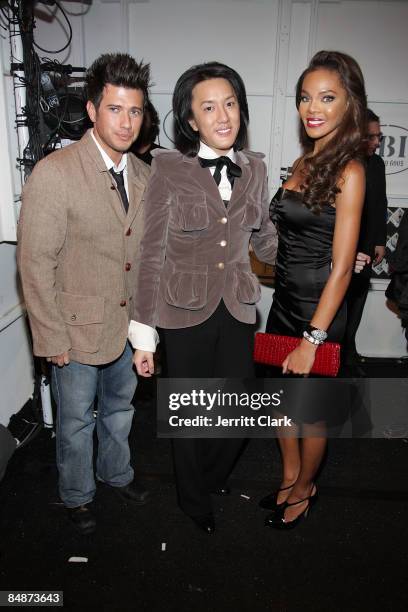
(120, 183)
(233, 170)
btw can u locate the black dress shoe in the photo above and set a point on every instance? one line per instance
(133, 492)
(83, 519)
(270, 502)
(222, 491)
(205, 522)
(277, 519)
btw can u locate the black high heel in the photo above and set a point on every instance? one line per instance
(270, 502)
(277, 520)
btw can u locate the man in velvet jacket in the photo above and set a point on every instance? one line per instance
(206, 202)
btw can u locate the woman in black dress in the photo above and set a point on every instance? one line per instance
(317, 215)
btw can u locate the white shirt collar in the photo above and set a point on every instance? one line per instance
(207, 153)
(108, 162)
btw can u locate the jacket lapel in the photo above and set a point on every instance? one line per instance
(241, 183)
(93, 155)
(136, 184)
(136, 188)
(203, 177)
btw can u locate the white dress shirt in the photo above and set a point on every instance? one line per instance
(110, 164)
(224, 187)
(143, 336)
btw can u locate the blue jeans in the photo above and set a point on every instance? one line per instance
(75, 387)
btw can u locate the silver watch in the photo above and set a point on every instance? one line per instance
(318, 334)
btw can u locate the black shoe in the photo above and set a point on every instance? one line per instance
(83, 519)
(277, 519)
(205, 522)
(133, 492)
(222, 491)
(270, 501)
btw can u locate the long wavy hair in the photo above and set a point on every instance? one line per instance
(323, 171)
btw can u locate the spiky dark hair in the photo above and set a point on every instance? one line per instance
(118, 69)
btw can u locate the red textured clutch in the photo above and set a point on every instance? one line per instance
(272, 349)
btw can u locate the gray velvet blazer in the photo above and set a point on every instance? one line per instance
(195, 250)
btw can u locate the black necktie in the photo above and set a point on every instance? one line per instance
(233, 170)
(120, 184)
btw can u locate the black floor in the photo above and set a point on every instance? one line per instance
(350, 554)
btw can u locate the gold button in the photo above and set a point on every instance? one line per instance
(224, 220)
(73, 317)
(220, 265)
(223, 243)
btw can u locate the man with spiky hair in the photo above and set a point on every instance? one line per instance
(78, 245)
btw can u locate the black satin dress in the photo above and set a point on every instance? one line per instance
(303, 266)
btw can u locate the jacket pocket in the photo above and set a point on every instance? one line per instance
(187, 287)
(252, 216)
(248, 290)
(193, 212)
(83, 316)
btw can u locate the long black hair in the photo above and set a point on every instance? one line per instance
(188, 140)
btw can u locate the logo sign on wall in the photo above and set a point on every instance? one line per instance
(394, 148)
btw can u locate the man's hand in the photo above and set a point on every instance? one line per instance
(361, 261)
(144, 363)
(379, 254)
(59, 360)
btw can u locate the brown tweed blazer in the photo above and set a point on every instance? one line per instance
(78, 253)
(194, 251)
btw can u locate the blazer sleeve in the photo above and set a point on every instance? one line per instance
(265, 240)
(41, 235)
(381, 206)
(157, 206)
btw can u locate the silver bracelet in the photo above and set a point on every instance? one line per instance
(316, 333)
(312, 340)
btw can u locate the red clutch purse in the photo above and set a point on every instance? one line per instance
(272, 349)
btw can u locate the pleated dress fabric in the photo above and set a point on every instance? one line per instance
(303, 265)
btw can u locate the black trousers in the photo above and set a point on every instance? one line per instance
(221, 347)
(356, 298)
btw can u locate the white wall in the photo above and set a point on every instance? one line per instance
(268, 41)
(7, 205)
(16, 366)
